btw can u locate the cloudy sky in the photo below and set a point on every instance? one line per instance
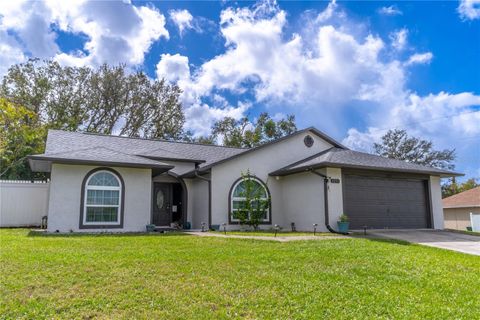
(352, 69)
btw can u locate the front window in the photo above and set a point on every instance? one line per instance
(102, 199)
(249, 196)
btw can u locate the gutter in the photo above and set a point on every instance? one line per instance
(325, 195)
(209, 195)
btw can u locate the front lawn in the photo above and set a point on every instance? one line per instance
(187, 277)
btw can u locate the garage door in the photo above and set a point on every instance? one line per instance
(379, 202)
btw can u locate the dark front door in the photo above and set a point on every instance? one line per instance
(162, 204)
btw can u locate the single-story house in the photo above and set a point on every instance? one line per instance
(457, 209)
(113, 183)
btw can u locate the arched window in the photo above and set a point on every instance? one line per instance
(249, 189)
(102, 198)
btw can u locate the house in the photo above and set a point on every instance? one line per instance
(457, 209)
(112, 183)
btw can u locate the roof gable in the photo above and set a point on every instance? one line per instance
(312, 130)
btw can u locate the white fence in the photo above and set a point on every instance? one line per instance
(23, 203)
(475, 221)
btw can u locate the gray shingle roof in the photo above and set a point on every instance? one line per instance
(102, 148)
(101, 155)
(336, 157)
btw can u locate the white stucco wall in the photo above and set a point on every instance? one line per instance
(335, 196)
(261, 163)
(199, 202)
(65, 195)
(436, 202)
(303, 201)
(23, 203)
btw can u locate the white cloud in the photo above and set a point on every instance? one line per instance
(173, 68)
(390, 11)
(469, 9)
(299, 74)
(10, 52)
(291, 74)
(29, 20)
(362, 141)
(445, 118)
(328, 12)
(200, 117)
(420, 58)
(184, 20)
(399, 39)
(117, 32)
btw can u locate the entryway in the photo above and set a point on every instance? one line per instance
(168, 207)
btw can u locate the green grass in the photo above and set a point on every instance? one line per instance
(187, 277)
(269, 233)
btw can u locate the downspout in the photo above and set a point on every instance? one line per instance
(209, 195)
(325, 195)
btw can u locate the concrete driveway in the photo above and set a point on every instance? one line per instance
(434, 238)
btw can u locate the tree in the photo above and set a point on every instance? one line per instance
(188, 136)
(396, 144)
(39, 95)
(104, 100)
(20, 136)
(243, 133)
(254, 205)
(451, 187)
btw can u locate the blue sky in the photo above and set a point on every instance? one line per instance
(352, 69)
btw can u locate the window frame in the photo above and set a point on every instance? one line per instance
(231, 198)
(84, 224)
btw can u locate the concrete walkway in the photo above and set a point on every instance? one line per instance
(434, 238)
(266, 238)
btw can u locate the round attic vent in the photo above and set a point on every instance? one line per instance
(308, 140)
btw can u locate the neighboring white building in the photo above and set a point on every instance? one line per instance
(111, 183)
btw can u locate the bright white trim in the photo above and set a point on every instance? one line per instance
(106, 188)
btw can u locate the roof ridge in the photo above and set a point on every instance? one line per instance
(147, 139)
